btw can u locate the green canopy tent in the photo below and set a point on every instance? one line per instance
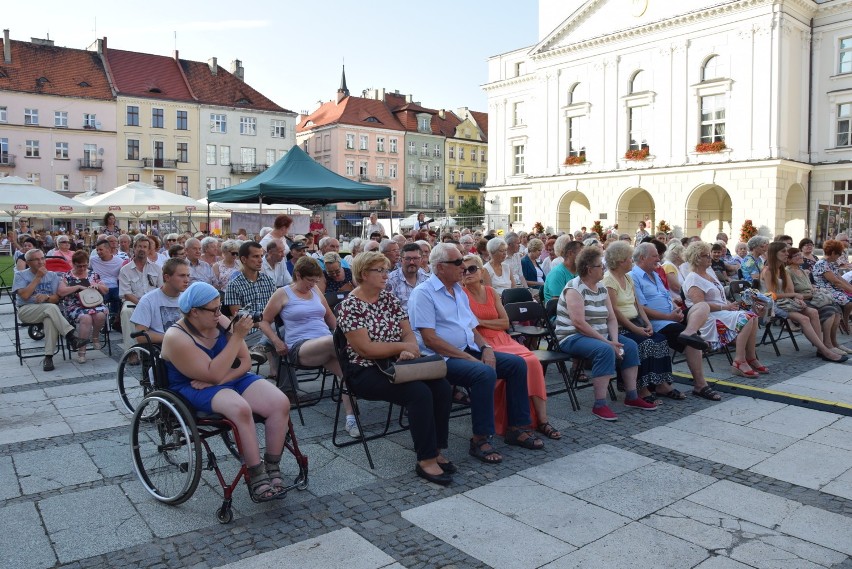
(299, 179)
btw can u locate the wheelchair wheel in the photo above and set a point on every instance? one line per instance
(36, 331)
(135, 382)
(166, 449)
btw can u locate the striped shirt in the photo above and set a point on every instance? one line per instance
(596, 313)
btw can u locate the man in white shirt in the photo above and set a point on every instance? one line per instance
(107, 265)
(135, 279)
(274, 265)
(374, 226)
(199, 269)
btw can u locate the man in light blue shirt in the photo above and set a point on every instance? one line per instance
(444, 324)
(681, 330)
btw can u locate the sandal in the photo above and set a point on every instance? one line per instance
(488, 455)
(737, 369)
(757, 366)
(523, 438)
(260, 487)
(460, 397)
(708, 393)
(672, 394)
(273, 470)
(652, 399)
(548, 431)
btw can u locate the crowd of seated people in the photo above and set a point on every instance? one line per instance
(620, 307)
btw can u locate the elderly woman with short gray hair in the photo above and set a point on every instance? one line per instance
(655, 364)
(753, 263)
(497, 268)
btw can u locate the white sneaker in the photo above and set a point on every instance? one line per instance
(353, 430)
(258, 354)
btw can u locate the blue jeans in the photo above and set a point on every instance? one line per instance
(113, 301)
(479, 379)
(600, 353)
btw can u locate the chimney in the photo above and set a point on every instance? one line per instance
(177, 56)
(40, 41)
(7, 48)
(237, 69)
(212, 64)
(442, 114)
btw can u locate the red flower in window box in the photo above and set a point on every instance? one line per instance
(574, 160)
(747, 231)
(717, 146)
(638, 154)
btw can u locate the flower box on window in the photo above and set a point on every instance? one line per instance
(638, 154)
(707, 147)
(574, 160)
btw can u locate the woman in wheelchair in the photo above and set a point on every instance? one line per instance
(208, 364)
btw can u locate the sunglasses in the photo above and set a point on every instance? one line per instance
(457, 262)
(471, 269)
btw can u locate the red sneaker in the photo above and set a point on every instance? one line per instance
(605, 413)
(640, 404)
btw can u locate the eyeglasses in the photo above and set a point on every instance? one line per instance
(457, 262)
(471, 269)
(595, 266)
(704, 256)
(216, 311)
(411, 259)
(382, 271)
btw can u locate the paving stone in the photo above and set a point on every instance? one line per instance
(719, 562)
(54, 468)
(832, 437)
(111, 455)
(794, 421)
(465, 524)
(9, 487)
(23, 541)
(741, 410)
(704, 447)
(760, 555)
(818, 526)
(557, 514)
(737, 434)
(341, 549)
(807, 464)
(111, 523)
(586, 468)
(635, 546)
(646, 489)
(692, 523)
(746, 503)
(840, 486)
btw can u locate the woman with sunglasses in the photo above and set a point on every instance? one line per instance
(493, 322)
(228, 264)
(208, 363)
(63, 249)
(89, 321)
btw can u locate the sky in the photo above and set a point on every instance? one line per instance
(292, 50)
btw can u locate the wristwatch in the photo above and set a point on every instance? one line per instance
(483, 346)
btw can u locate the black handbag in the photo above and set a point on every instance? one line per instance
(417, 369)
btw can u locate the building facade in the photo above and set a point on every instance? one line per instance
(467, 160)
(697, 113)
(57, 117)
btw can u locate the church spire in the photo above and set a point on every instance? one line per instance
(343, 90)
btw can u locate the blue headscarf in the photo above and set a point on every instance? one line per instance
(198, 294)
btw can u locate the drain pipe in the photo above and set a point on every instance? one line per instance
(810, 130)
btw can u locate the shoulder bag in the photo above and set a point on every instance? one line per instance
(90, 297)
(417, 369)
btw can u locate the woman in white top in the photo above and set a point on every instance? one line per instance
(726, 322)
(497, 268)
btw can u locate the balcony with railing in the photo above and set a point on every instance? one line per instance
(7, 160)
(90, 164)
(363, 178)
(247, 168)
(159, 164)
(468, 186)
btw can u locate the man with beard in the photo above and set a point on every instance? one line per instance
(403, 280)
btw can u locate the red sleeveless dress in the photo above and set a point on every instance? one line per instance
(504, 343)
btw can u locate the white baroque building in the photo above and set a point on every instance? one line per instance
(729, 109)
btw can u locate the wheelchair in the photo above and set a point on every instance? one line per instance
(170, 445)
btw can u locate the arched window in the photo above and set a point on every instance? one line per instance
(573, 94)
(714, 68)
(637, 82)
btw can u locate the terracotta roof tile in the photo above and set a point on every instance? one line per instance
(447, 125)
(353, 111)
(482, 122)
(146, 75)
(50, 70)
(224, 88)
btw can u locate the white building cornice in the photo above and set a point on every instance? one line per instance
(544, 49)
(520, 80)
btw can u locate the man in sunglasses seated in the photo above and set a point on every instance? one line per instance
(444, 324)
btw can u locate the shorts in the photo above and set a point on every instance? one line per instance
(202, 399)
(293, 353)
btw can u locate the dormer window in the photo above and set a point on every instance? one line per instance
(155, 90)
(371, 119)
(424, 124)
(243, 101)
(83, 84)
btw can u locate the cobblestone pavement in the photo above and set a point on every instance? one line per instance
(742, 483)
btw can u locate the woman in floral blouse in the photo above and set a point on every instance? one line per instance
(377, 328)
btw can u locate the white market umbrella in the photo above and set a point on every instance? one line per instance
(446, 222)
(18, 195)
(254, 208)
(139, 198)
(408, 222)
